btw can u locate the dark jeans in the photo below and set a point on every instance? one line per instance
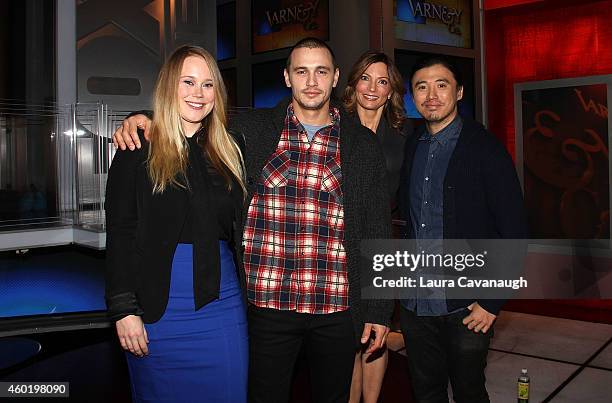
(275, 339)
(442, 347)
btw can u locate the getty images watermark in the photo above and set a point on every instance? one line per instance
(479, 269)
(437, 262)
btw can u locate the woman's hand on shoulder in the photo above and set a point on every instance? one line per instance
(133, 335)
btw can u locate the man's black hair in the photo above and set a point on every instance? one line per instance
(311, 43)
(429, 61)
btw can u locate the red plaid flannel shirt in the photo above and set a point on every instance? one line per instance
(294, 257)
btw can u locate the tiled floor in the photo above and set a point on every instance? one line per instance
(567, 360)
(604, 359)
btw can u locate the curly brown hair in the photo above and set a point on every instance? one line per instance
(395, 112)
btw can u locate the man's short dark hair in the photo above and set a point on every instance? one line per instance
(311, 43)
(429, 61)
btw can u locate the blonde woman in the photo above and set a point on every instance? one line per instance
(174, 284)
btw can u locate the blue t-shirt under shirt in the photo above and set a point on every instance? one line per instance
(312, 130)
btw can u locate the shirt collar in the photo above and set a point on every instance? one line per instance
(334, 113)
(450, 132)
(196, 136)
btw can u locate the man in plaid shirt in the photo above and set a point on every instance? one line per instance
(294, 258)
(316, 187)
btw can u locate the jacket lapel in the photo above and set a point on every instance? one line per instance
(409, 151)
(465, 137)
(405, 173)
(347, 142)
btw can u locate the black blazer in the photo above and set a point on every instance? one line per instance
(367, 214)
(142, 232)
(482, 194)
(393, 142)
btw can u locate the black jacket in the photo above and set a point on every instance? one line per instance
(482, 195)
(142, 232)
(366, 204)
(393, 142)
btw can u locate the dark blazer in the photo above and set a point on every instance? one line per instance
(392, 142)
(142, 232)
(366, 203)
(482, 194)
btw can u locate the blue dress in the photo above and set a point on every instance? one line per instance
(195, 356)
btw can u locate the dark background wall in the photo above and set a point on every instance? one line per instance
(122, 44)
(27, 51)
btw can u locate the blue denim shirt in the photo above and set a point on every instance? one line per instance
(426, 207)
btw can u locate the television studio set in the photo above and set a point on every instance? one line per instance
(305, 201)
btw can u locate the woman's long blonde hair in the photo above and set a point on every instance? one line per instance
(168, 158)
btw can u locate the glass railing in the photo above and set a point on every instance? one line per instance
(54, 163)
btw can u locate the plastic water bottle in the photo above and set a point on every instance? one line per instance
(523, 387)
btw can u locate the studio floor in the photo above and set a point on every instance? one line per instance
(568, 361)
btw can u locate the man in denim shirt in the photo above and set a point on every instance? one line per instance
(458, 182)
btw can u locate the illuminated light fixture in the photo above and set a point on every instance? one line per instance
(79, 132)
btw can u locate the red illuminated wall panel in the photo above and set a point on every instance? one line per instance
(542, 41)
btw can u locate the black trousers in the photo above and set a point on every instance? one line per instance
(275, 339)
(440, 348)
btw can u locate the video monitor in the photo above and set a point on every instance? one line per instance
(443, 22)
(269, 84)
(278, 24)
